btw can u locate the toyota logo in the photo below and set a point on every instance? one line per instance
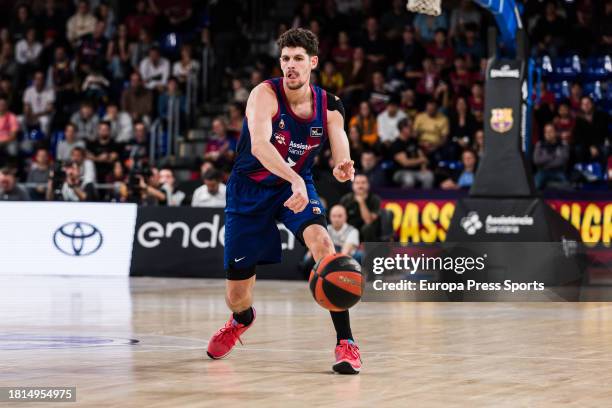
(77, 238)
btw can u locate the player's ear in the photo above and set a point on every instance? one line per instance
(314, 61)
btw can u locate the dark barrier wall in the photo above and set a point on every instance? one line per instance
(188, 242)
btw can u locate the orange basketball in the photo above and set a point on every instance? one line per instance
(336, 282)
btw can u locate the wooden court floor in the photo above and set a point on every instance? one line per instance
(78, 331)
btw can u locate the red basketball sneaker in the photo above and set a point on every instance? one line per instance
(348, 359)
(224, 340)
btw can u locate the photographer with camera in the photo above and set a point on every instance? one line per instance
(66, 184)
(144, 186)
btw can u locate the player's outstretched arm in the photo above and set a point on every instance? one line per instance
(261, 107)
(343, 165)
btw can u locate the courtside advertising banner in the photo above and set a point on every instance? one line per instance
(43, 238)
(189, 242)
(426, 220)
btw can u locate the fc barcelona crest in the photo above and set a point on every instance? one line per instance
(501, 119)
(281, 124)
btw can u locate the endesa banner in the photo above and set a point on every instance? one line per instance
(42, 238)
(189, 242)
(426, 219)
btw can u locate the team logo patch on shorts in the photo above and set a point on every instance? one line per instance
(316, 210)
(316, 132)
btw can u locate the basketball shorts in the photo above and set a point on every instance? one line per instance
(251, 213)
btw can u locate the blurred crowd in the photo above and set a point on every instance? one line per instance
(82, 82)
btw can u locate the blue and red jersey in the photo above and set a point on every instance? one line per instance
(298, 140)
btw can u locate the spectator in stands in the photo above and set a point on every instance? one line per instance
(64, 147)
(155, 70)
(410, 160)
(60, 78)
(431, 127)
(342, 53)
(95, 87)
(38, 104)
(8, 66)
(378, 94)
(564, 121)
(52, 18)
(462, 17)
(9, 126)
(219, 147)
(575, 99)
(81, 23)
(173, 196)
(373, 43)
(137, 100)
(408, 104)
(440, 50)
(137, 149)
(412, 54)
(21, 23)
(549, 31)
(7, 91)
(39, 174)
(118, 55)
(428, 84)
(331, 80)
(235, 119)
(362, 207)
(461, 78)
(550, 158)
(103, 151)
(462, 123)
(240, 93)
(394, 20)
(355, 78)
(120, 122)
(212, 193)
(104, 13)
(140, 18)
(462, 178)
(469, 45)
(86, 122)
(120, 191)
(387, 121)
(9, 189)
(370, 168)
(171, 100)
(365, 122)
(92, 47)
(476, 102)
(28, 50)
(140, 49)
(186, 68)
(87, 168)
(478, 145)
(74, 188)
(426, 26)
(591, 131)
(355, 144)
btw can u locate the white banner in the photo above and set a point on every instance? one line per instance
(54, 238)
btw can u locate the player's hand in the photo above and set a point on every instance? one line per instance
(299, 199)
(344, 171)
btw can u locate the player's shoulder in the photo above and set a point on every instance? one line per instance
(264, 90)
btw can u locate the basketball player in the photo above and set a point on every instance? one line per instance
(287, 121)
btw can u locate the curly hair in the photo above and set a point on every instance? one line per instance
(299, 37)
